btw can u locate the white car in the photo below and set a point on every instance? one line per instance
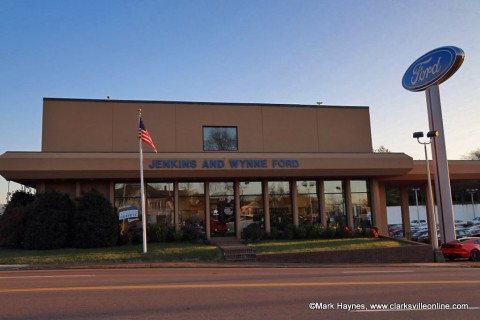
(418, 222)
(475, 221)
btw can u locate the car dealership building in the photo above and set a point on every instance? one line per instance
(223, 165)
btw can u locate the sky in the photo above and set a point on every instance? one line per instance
(339, 52)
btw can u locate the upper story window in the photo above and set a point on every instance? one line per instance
(220, 139)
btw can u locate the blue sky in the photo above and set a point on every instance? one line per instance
(340, 52)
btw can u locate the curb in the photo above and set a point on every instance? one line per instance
(246, 265)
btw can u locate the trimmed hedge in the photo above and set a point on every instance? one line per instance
(12, 221)
(49, 222)
(94, 223)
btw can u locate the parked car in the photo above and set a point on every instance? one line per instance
(462, 248)
(216, 227)
(475, 221)
(425, 237)
(460, 223)
(474, 231)
(418, 222)
(462, 233)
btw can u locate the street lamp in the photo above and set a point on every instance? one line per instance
(416, 201)
(472, 192)
(309, 184)
(433, 219)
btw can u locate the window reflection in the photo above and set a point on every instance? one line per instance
(251, 204)
(160, 203)
(362, 211)
(222, 208)
(335, 203)
(280, 201)
(191, 206)
(129, 195)
(220, 139)
(307, 199)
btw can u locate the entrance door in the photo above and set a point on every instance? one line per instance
(222, 209)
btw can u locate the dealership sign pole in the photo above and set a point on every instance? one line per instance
(427, 73)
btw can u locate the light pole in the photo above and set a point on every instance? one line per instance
(309, 184)
(416, 201)
(472, 192)
(432, 223)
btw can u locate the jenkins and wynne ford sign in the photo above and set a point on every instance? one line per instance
(434, 67)
(224, 164)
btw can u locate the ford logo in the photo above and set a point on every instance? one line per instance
(432, 68)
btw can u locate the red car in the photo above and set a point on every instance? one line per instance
(462, 248)
(218, 227)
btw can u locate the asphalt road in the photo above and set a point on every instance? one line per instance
(241, 293)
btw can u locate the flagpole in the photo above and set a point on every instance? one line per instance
(142, 190)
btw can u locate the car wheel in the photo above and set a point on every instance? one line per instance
(475, 255)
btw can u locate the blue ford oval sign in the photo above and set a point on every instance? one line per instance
(432, 68)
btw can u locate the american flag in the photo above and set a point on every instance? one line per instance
(144, 135)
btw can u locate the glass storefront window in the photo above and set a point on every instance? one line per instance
(251, 204)
(129, 195)
(335, 203)
(222, 208)
(160, 203)
(362, 211)
(220, 139)
(307, 200)
(127, 190)
(280, 204)
(191, 206)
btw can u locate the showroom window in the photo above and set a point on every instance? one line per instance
(251, 204)
(335, 203)
(307, 202)
(160, 203)
(220, 139)
(280, 201)
(191, 203)
(362, 211)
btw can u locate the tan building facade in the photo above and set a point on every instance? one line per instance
(221, 166)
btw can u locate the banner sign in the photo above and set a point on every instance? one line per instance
(128, 213)
(434, 67)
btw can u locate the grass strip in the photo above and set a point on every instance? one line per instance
(292, 246)
(157, 252)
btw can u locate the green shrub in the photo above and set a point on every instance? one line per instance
(161, 232)
(49, 222)
(301, 232)
(177, 235)
(331, 232)
(274, 233)
(290, 230)
(13, 220)
(20, 199)
(252, 233)
(318, 231)
(308, 229)
(95, 223)
(194, 233)
(12, 227)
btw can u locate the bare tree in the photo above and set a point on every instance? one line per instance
(381, 149)
(472, 155)
(220, 139)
